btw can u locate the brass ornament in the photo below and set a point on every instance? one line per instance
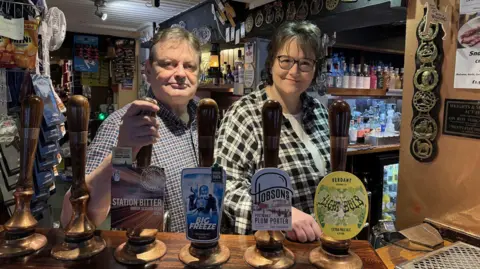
(427, 35)
(291, 11)
(422, 149)
(259, 19)
(424, 127)
(302, 11)
(269, 15)
(331, 4)
(428, 76)
(427, 52)
(424, 101)
(316, 6)
(279, 12)
(249, 23)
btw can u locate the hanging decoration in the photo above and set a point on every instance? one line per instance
(249, 23)
(269, 15)
(316, 6)
(291, 11)
(331, 4)
(259, 19)
(279, 12)
(427, 80)
(302, 11)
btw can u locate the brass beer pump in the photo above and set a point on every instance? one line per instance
(335, 253)
(205, 255)
(19, 237)
(142, 245)
(269, 251)
(80, 241)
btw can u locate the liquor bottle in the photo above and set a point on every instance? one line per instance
(398, 82)
(379, 77)
(366, 77)
(386, 78)
(330, 80)
(373, 78)
(352, 133)
(401, 78)
(239, 74)
(338, 76)
(360, 131)
(353, 77)
(359, 77)
(392, 81)
(346, 76)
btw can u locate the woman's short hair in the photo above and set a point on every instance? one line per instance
(307, 35)
(175, 33)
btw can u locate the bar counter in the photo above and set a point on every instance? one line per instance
(174, 241)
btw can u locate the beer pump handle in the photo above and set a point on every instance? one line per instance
(207, 118)
(30, 120)
(272, 124)
(144, 155)
(339, 120)
(78, 116)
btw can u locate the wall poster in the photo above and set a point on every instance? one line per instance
(467, 66)
(86, 53)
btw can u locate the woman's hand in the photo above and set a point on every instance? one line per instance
(304, 227)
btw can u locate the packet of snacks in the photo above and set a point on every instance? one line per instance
(20, 53)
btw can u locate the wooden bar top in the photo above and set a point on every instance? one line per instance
(174, 241)
(371, 149)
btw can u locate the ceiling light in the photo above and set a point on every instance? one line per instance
(101, 15)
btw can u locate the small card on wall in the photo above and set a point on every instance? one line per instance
(232, 33)
(237, 36)
(227, 35)
(242, 30)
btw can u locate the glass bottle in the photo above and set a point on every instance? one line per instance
(353, 77)
(379, 78)
(359, 77)
(352, 133)
(338, 76)
(366, 77)
(346, 76)
(392, 81)
(386, 78)
(401, 78)
(373, 78)
(398, 82)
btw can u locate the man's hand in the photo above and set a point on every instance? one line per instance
(304, 227)
(137, 129)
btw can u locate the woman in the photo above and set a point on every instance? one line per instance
(304, 141)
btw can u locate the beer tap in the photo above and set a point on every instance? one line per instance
(80, 241)
(209, 253)
(334, 250)
(142, 245)
(269, 251)
(20, 238)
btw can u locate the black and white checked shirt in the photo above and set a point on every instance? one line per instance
(239, 151)
(175, 150)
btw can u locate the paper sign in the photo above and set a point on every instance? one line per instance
(227, 35)
(341, 205)
(242, 30)
(237, 36)
(203, 190)
(12, 28)
(249, 52)
(467, 63)
(271, 193)
(249, 75)
(232, 33)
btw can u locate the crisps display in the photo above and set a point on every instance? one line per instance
(20, 53)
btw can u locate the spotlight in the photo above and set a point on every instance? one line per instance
(101, 15)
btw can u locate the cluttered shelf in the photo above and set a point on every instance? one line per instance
(367, 149)
(216, 88)
(174, 242)
(365, 92)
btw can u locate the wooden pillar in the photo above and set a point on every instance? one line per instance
(446, 189)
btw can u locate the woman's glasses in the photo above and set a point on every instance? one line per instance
(287, 62)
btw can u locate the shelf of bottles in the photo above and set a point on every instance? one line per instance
(354, 78)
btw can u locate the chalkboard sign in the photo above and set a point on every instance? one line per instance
(462, 118)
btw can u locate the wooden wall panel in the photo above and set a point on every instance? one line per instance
(446, 189)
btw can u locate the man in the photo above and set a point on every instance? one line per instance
(172, 70)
